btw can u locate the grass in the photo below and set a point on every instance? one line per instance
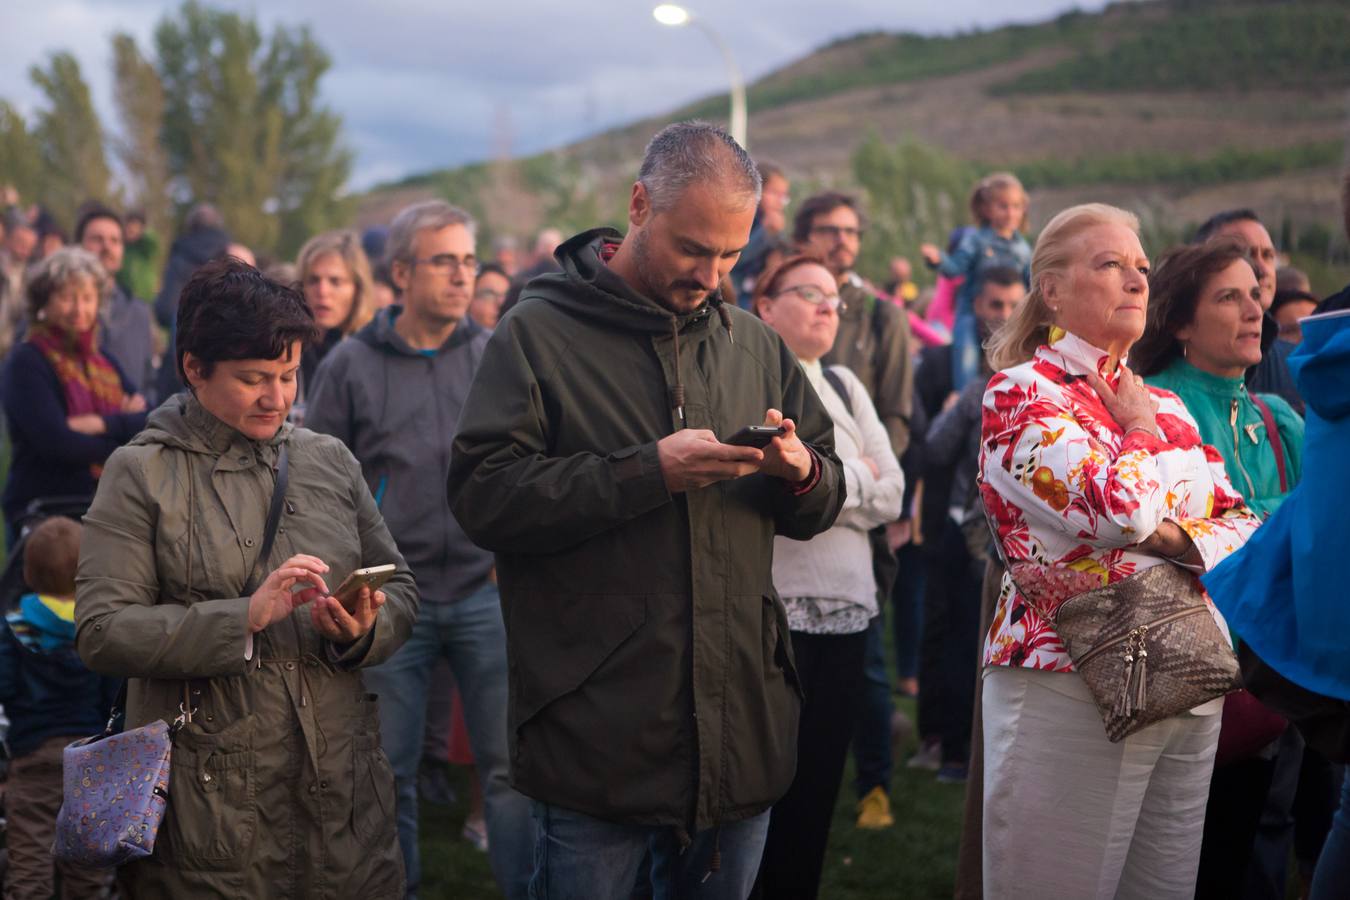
(915, 860)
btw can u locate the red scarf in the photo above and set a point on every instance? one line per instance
(89, 383)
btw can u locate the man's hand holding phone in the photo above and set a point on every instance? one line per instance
(695, 458)
(785, 457)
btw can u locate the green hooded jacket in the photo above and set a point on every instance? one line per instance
(1232, 424)
(650, 668)
(278, 787)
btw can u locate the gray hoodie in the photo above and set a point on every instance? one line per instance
(396, 408)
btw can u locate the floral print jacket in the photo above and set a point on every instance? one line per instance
(1071, 495)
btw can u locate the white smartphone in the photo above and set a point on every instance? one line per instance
(373, 578)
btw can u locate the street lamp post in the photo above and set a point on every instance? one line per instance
(675, 16)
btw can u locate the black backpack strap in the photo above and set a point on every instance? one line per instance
(837, 382)
(273, 519)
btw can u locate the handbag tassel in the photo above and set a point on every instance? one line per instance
(1140, 677)
(1125, 696)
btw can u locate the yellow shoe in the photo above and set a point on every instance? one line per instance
(874, 810)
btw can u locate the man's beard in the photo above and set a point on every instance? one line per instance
(652, 288)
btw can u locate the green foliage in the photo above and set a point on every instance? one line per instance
(242, 127)
(69, 139)
(1209, 46)
(139, 95)
(880, 59)
(915, 193)
(20, 156)
(1230, 164)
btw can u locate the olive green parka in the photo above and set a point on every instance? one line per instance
(650, 668)
(278, 787)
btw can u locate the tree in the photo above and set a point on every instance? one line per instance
(20, 156)
(140, 105)
(243, 128)
(915, 193)
(69, 138)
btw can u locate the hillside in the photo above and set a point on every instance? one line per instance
(1175, 107)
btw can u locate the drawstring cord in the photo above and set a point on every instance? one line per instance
(715, 863)
(677, 389)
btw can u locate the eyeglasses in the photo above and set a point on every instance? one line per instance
(489, 294)
(444, 262)
(837, 231)
(813, 295)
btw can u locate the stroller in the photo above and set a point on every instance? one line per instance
(13, 587)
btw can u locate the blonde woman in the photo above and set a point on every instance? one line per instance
(335, 277)
(1089, 476)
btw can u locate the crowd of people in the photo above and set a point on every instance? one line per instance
(648, 500)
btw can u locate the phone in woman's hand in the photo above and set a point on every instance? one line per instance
(373, 578)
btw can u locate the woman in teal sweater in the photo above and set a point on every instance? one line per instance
(1203, 333)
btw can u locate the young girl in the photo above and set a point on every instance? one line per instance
(999, 205)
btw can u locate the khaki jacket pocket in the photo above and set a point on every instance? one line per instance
(212, 814)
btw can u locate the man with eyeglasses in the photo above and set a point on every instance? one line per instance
(393, 395)
(874, 341)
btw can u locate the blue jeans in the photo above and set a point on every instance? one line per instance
(470, 634)
(1331, 879)
(578, 857)
(872, 732)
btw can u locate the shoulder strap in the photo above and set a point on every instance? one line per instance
(1273, 433)
(837, 382)
(273, 518)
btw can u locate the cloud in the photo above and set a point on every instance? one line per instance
(422, 84)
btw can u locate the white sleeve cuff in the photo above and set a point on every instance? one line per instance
(248, 646)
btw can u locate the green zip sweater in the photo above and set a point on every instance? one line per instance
(1231, 422)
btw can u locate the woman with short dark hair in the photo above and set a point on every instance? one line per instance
(68, 405)
(206, 571)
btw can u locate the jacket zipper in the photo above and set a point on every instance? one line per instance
(1237, 448)
(1102, 648)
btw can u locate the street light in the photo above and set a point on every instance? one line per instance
(675, 16)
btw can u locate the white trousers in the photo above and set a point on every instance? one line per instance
(1070, 815)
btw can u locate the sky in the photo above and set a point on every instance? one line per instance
(425, 84)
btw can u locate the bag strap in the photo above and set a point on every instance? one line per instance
(837, 382)
(273, 519)
(1273, 434)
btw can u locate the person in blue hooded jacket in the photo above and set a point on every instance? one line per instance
(1280, 592)
(51, 700)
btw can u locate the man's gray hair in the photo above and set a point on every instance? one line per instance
(688, 153)
(65, 266)
(429, 215)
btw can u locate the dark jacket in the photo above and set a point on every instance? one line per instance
(278, 788)
(48, 692)
(49, 459)
(1271, 375)
(395, 408)
(127, 337)
(188, 253)
(651, 675)
(874, 341)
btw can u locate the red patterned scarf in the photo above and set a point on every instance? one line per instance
(89, 382)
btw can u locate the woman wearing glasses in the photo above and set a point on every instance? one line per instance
(826, 583)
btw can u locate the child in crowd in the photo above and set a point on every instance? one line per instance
(999, 206)
(51, 700)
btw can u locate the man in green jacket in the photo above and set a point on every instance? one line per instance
(653, 699)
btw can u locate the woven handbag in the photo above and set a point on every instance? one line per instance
(1147, 647)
